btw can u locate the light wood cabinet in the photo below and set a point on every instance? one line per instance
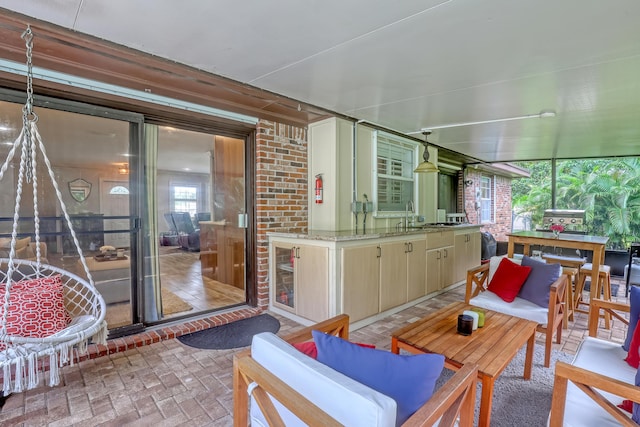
(301, 280)
(316, 278)
(439, 260)
(467, 247)
(393, 274)
(439, 268)
(379, 277)
(416, 269)
(360, 279)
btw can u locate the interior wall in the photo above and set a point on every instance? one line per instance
(228, 179)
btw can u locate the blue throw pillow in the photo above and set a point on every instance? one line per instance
(537, 287)
(409, 380)
(634, 308)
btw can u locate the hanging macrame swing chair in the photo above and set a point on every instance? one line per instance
(23, 351)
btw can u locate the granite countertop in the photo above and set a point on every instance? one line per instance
(370, 234)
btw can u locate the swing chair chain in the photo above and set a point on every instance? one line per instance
(27, 35)
(28, 116)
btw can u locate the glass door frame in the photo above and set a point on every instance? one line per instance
(136, 122)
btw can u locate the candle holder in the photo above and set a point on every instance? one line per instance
(480, 316)
(465, 324)
(475, 316)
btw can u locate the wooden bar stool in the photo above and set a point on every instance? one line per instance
(603, 286)
(569, 308)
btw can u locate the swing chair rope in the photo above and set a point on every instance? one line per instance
(19, 356)
(63, 206)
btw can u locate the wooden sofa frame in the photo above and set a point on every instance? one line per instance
(455, 400)
(592, 383)
(478, 280)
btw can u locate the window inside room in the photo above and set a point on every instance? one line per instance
(184, 198)
(395, 163)
(485, 199)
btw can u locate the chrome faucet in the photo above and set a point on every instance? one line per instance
(408, 207)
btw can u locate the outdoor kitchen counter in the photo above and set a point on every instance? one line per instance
(319, 274)
(347, 235)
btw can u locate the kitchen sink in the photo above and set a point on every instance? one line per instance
(434, 224)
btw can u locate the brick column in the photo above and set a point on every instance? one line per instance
(281, 190)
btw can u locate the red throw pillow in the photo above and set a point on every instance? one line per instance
(309, 348)
(508, 279)
(633, 356)
(626, 405)
(36, 307)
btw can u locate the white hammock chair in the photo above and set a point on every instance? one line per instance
(21, 356)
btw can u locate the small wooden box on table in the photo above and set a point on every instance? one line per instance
(491, 347)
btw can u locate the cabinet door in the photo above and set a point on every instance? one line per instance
(475, 249)
(416, 269)
(467, 254)
(283, 293)
(393, 274)
(312, 282)
(360, 278)
(433, 270)
(461, 254)
(446, 267)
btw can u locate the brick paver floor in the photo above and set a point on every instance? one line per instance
(170, 384)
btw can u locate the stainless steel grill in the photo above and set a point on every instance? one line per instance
(574, 222)
(571, 219)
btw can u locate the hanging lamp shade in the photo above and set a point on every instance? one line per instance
(426, 166)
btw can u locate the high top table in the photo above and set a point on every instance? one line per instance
(564, 240)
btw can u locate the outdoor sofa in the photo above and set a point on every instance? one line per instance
(275, 384)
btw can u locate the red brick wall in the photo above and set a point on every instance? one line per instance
(501, 222)
(281, 190)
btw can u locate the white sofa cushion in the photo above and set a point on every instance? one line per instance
(346, 400)
(605, 358)
(520, 307)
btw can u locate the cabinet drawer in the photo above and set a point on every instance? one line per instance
(439, 239)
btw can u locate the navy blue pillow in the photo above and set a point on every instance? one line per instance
(537, 287)
(409, 380)
(634, 308)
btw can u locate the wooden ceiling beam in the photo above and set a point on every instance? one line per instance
(62, 50)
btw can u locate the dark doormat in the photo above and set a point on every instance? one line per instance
(232, 335)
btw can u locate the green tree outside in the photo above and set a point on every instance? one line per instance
(607, 189)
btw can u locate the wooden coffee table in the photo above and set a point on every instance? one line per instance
(491, 347)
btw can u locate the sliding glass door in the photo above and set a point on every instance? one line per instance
(159, 212)
(89, 151)
(198, 204)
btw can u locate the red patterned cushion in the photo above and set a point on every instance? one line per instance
(36, 307)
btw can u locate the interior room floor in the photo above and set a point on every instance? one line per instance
(168, 383)
(181, 277)
(181, 273)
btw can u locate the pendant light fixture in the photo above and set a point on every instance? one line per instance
(426, 166)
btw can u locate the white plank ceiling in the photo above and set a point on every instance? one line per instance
(411, 64)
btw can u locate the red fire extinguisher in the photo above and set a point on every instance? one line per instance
(319, 188)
